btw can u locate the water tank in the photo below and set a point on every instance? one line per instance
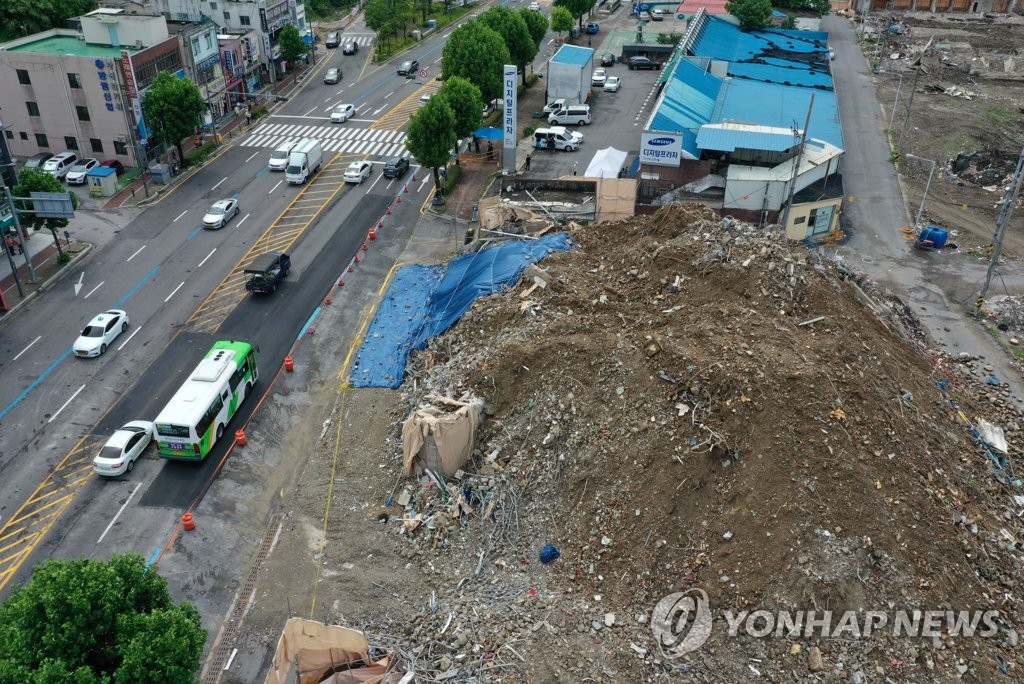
(935, 236)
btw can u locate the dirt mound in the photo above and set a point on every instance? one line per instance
(691, 405)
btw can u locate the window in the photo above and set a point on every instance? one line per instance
(195, 46)
(97, 145)
(74, 80)
(83, 112)
(33, 108)
(70, 143)
(243, 20)
(41, 140)
(10, 134)
(23, 78)
(24, 135)
(227, 16)
(213, 5)
(120, 148)
(209, 41)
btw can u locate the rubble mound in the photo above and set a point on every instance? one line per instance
(688, 403)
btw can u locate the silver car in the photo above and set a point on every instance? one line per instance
(124, 447)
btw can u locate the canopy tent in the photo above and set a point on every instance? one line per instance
(606, 164)
(489, 133)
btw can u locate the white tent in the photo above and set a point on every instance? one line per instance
(606, 164)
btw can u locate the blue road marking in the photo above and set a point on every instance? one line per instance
(262, 171)
(152, 558)
(194, 233)
(35, 382)
(309, 322)
(132, 291)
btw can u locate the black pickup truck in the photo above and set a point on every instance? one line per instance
(265, 272)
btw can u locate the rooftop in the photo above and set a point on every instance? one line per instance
(68, 44)
(574, 55)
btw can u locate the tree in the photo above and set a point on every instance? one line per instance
(172, 107)
(514, 32)
(752, 14)
(466, 103)
(37, 180)
(377, 16)
(293, 47)
(431, 136)
(477, 53)
(577, 8)
(561, 20)
(23, 17)
(536, 24)
(98, 621)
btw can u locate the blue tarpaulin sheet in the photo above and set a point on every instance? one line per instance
(489, 133)
(424, 301)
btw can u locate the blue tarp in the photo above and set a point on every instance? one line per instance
(424, 301)
(489, 133)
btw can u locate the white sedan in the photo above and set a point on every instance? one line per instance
(101, 331)
(534, 6)
(342, 113)
(220, 213)
(358, 171)
(76, 175)
(612, 84)
(599, 77)
(124, 447)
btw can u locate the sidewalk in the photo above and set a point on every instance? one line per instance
(48, 271)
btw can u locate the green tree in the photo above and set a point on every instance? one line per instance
(752, 14)
(37, 180)
(513, 30)
(172, 107)
(293, 47)
(23, 17)
(561, 20)
(431, 136)
(377, 16)
(466, 103)
(477, 53)
(98, 621)
(577, 8)
(536, 23)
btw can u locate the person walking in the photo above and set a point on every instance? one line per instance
(490, 150)
(528, 157)
(575, 165)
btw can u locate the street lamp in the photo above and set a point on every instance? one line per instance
(920, 209)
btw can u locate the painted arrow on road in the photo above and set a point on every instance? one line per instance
(78, 285)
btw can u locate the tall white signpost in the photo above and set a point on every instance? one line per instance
(509, 118)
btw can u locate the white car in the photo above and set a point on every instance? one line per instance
(76, 174)
(554, 106)
(598, 78)
(358, 171)
(101, 331)
(124, 447)
(658, 15)
(535, 6)
(220, 213)
(425, 98)
(342, 113)
(612, 84)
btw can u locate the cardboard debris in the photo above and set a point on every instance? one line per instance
(440, 438)
(308, 652)
(992, 435)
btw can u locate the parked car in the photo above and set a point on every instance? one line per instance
(396, 167)
(100, 333)
(342, 113)
(37, 160)
(612, 84)
(658, 15)
(76, 174)
(593, 28)
(425, 98)
(643, 63)
(333, 75)
(114, 164)
(220, 213)
(572, 114)
(607, 59)
(408, 67)
(598, 77)
(534, 6)
(124, 447)
(350, 48)
(60, 164)
(357, 172)
(644, 16)
(554, 105)
(332, 40)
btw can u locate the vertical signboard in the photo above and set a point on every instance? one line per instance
(509, 117)
(130, 90)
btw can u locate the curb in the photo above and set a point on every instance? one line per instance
(51, 282)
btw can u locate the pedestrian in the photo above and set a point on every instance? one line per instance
(248, 116)
(10, 245)
(528, 157)
(490, 150)
(574, 165)
(17, 244)
(589, 44)
(476, 143)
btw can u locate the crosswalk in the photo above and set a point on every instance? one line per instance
(344, 138)
(361, 39)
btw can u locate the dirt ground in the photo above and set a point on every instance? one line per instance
(682, 407)
(967, 114)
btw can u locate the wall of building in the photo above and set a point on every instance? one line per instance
(814, 220)
(123, 30)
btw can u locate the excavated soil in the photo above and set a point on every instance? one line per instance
(683, 407)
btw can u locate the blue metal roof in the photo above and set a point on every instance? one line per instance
(769, 104)
(573, 55)
(687, 103)
(725, 140)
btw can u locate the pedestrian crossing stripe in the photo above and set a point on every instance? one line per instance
(337, 138)
(359, 38)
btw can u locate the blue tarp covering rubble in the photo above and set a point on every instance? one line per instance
(424, 301)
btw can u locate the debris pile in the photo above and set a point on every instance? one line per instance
(697, 404)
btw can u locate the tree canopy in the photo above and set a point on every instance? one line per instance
(37, 180)
(577, 8)
(172, 107)
(88, 621)
(513, 30)
(561, 20)
(467, 105)
(24, 17)
(536, 24)
(752, 14)
(431, 136)
(387, 17)
(477, 53)
(293, 47)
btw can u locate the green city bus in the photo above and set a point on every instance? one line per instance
(198, 413)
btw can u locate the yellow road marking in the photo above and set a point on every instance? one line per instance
(397, 118)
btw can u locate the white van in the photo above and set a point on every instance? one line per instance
(60, 164)
(557, 138)
(571, 114)
(279, 157)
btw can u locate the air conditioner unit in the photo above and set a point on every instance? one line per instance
(138, 45)
(80, 36)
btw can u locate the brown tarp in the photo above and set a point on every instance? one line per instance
(308, 651)
(439, 439)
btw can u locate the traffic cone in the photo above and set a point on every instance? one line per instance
(364, 246)
(373, 233)
(240, 437)
(388, 210)
(341, 281)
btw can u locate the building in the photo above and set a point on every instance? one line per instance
(80, 90)
(202, 63)
(747, 123)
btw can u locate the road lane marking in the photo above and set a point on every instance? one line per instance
(125, 343)
(119, 512)
(180, 215)
(253, 155)
(21, 397)
(240, 222)
(274, 188)
(219, 184)
(426, 179)
(210, 254)
(173, 291)
(307, 113)
(94, 289)
(375, 181)
(377, 111)
(136, 253)
(194, 233)
(139, 284)
(26, 348)
(70, 399)
(389, 94)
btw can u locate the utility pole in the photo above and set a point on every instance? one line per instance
(997, 240)
(796, 167)
(920, 209)
(17, 226)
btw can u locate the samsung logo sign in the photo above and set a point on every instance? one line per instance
(661, 142)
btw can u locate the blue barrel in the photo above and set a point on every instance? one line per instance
(935, 236)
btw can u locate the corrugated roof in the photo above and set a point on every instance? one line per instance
(728, 140)
(687, 102)
(573, 55)
(769, 104)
